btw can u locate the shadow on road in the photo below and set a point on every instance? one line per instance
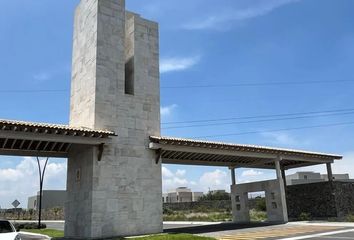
(216, 228)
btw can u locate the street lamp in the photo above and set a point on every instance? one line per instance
(41, 178)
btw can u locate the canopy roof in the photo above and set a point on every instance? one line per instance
(20, 138)
(196, 152)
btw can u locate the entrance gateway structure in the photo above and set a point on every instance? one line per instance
(113, 142)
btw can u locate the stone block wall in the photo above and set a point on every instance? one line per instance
(121, 194)
(344, 195)
(321, 200)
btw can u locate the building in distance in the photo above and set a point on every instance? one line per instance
(314, 177)
(50, 199)
(181, 194)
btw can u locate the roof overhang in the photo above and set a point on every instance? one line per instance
(46, 140)
(195, 152)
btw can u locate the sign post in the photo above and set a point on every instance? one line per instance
(16, 203)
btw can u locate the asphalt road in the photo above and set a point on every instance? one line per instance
(25, 236)
(59, 225)
(229, 231)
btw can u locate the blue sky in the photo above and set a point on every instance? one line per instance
(203, 43)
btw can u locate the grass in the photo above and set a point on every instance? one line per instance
(258, 216)
(225, 216)
(198, 216)
(350, 218)
(48, 232)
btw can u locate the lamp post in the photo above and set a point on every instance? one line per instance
(41, 178)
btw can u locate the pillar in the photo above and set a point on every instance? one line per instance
(281, 188)
(278, 169)
(233, 176)
(283, 175)
(115, 86)
(329, 172)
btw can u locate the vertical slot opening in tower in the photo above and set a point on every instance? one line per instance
(129, 76)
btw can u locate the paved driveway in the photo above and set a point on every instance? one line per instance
(289, 231)
(29, 236)
(263, 231)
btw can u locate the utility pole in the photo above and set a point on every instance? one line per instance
(41, 178)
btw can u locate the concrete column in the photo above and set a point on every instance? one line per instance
(233, 176)
(329, 172)
(278, 169)
(283, 206)
(283, 176)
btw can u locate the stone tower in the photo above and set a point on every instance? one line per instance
(115, 86)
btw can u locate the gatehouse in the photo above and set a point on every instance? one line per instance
(113, 141)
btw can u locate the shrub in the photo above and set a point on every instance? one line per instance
(350, 218)
(304, 216)
(29, 225)
(210, 196)
(167, 211)
(261, 204)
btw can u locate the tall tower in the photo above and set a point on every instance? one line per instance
(115, 86)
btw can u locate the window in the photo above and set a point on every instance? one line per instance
(305, 177)
(238, 207)
(274, 205)
(129, 76)
(237, 198)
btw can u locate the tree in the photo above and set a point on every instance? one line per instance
(261, 204)
(214, 196)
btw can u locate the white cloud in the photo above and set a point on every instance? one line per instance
(215, 180)
(180, 173)
(261, 9)
(172, 180)
(41, 77)
(166, 173)
(212, 180)
(178, 64)
(167, 110)
(251, 173)
(345, 165)
(22, 181)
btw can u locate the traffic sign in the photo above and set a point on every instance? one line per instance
(16, 203)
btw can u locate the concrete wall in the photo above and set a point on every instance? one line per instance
(121, 194)
(50, 199)
(303, 181)
(32, 202)
(336, 176)
(196, 196)
(275, 200)
(313, 177)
